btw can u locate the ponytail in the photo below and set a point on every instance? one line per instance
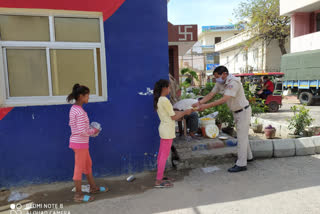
(157, 91)
(77, 90)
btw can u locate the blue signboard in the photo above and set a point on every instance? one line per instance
(211, 67)
(207, 46)
(218, 28)
(215, 28)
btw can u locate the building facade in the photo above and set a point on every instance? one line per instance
(305, 23)
(259, 57)
(209, 38)
(118, 48)
(181, 40)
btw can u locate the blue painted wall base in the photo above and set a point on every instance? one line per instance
(34, 140)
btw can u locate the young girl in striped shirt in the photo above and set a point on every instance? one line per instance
(79, 142)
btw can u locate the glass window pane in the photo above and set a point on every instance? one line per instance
(77, 30)
(69, 67)
(27, 72)
(24, 28)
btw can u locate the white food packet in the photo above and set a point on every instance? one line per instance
(95, 125)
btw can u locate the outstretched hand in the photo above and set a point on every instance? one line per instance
(202, 107)
(195, 105)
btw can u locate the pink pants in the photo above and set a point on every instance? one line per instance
(164, 151)
(82, 163)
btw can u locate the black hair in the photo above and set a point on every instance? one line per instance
(265, 77)
(220, 70)
(77, 90)
(157, 91)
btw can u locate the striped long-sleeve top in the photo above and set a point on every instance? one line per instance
(80, 129)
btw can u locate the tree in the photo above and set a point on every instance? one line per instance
(191, 75)
(263, 21)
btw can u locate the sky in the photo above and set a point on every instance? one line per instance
(202, 12)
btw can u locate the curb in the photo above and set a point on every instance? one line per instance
(285, 147)
(276, 148)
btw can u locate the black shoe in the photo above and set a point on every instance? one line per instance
(237, 169)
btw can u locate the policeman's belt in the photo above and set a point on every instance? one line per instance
(241, 109)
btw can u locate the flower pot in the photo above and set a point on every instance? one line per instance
(257, 128)
(270, 133)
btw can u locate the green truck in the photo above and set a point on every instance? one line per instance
(302, 75)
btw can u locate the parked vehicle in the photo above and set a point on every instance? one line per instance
(302, 75)
(273, 101)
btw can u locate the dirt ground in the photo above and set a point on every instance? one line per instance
(285, 112)
(60, 193)
(272, 186)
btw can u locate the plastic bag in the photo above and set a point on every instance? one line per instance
(212, 116)
(84, 188)
(95, 125)
(184, 104)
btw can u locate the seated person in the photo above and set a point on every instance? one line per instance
(193, 118)
(267, 88)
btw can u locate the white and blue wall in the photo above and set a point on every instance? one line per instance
(34, 140)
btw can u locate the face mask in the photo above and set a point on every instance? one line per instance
(220, 80)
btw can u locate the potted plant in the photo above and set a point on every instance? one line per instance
(270, 132)
(300, 121)
(226, 118)
(256, 126)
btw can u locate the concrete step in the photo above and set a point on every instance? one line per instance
(183, 145)
(204, 158)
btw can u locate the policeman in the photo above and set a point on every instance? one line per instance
(233, 95)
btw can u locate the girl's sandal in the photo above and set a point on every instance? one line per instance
(168, 179)
(85, 198)
(99, 190)
(164, 184)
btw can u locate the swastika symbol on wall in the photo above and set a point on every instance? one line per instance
(185, 33)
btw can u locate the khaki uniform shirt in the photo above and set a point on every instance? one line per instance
(167, 128)
(232, 87)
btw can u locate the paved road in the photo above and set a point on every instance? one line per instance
(285, 112)
(281, 186)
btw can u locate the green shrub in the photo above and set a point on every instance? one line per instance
(300, 120)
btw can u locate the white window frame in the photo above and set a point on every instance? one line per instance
(6, 100)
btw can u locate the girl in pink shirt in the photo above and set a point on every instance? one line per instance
(79, 142)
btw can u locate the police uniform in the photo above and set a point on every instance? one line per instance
(241, 109)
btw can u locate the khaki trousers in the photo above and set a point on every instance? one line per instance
(242, 121)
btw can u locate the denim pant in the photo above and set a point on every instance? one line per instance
(192, 121)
